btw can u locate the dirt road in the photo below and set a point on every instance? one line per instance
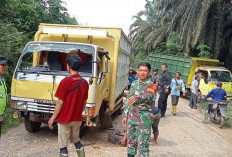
(180, 136)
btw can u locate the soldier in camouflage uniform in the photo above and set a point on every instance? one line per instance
(137, 114)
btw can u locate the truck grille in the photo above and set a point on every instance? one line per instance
(46, 108)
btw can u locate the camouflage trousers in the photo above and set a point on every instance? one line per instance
(139, 133)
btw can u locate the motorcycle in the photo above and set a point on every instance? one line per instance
(216, 112)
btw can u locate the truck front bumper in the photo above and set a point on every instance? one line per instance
(45, 107)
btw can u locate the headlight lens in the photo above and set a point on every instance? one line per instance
(20, 105)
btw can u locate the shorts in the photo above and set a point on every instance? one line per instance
(155, 124)
(175, 99)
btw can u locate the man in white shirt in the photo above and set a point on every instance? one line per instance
(194, 93)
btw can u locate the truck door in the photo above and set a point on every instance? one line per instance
(204, 83)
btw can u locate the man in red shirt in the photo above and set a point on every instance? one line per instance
(72, 95)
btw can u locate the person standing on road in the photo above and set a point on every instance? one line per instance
(155, 79)
(130, 71)
(194, 92)
(177, 85)
(164, 89)
(72, 95)
(132, 78)
(137, 112)
(3, 89)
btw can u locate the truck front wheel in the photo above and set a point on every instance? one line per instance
(31, 126)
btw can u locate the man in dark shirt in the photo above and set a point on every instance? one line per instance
(72, 95)
(164, 85)
(155, 78)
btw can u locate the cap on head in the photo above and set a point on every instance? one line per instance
(3, 59)
(74, 61)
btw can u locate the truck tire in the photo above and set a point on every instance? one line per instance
(82, 131)
(115, 136)
(92, 129)
(105, 120)
(32, 126)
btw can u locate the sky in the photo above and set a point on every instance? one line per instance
(108, 13)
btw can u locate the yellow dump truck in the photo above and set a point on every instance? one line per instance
(210, 71)
(105, 54)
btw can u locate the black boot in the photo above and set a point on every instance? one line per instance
(64, 152)
(80, 149)
(129, 155)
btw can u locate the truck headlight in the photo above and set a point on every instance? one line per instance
(22, 105)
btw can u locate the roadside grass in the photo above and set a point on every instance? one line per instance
(8, 120)
(228, 123)
(229, 114)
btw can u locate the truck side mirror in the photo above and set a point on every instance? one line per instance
(105, 61)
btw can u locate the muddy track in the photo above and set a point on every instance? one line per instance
(180, 136)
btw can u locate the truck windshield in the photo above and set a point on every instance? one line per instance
(222, 76)
(59, 47)
(49, 57)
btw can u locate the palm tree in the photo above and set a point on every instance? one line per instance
(197, 21)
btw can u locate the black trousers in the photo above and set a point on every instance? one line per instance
(162, 102)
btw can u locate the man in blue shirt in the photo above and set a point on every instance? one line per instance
(132, 78)
(218, 94)
(177, 85)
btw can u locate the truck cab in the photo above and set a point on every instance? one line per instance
(210, 75)
(39, 71)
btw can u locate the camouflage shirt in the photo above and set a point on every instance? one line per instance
(144, 92)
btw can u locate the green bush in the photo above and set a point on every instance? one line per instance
(173, 44)
(204, 51)
(203, 105)
(139, 57)
(229, 114)
(9, 121)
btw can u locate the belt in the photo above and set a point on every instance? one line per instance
(139, 108)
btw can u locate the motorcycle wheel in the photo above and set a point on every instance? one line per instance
(221, 122)
(212, 116)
